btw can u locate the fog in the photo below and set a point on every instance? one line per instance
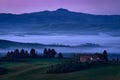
(112, 43)
(64, 39)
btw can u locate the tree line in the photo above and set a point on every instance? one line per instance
(47, 53)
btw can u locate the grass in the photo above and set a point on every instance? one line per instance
(35, 69)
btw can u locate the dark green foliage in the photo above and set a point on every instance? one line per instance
(113, 60)
(53, 53)
(32, 53)
(68, 67)
(8, 54)
(26, 54)
(117, 60)
(105, 55)
(21, 54)
(60, 55)
(99, 55)
(16, 54)
(49, 53)
(45, 52)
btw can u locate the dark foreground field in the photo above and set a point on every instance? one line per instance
(35, 69)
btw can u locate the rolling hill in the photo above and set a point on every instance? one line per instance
(59, 21)
(11, 44)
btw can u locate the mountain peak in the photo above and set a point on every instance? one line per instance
(62, 10)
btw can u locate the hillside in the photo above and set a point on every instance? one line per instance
(35, 70)
(11, 44)
(59, 21)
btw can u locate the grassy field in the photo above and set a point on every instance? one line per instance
(35, 69)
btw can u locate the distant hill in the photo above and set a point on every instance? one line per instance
(59, 21)
(11, 44)
(89, 45)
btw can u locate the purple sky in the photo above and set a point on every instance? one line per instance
(86, 6)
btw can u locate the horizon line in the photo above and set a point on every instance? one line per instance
(56, 10)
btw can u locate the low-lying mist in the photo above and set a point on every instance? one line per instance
(110, 43)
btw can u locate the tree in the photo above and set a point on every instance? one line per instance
(8, 54)
(12, 56)
(105, 55)
(45, 53)
(60, 55)
(17, 53)
(22, 53)
(32, 53)
(53, 53)
(26, 54)
(49, 53)
(117, 60)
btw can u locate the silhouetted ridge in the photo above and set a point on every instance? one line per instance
(62, 10)
(60, 20)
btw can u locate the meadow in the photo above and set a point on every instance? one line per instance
(35, 69)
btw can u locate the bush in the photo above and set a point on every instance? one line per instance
(68, 67)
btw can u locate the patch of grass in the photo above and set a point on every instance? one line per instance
(35, 70)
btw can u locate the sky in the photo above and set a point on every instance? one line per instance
(85, 6)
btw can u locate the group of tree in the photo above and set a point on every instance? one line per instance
(51, 53)
(103, 56)
(47, 53)
(22, 54)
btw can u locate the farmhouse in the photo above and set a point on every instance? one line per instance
(86, 57)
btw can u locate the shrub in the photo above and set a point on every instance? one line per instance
(68, 67)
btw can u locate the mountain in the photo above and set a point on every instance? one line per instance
(59, 21)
